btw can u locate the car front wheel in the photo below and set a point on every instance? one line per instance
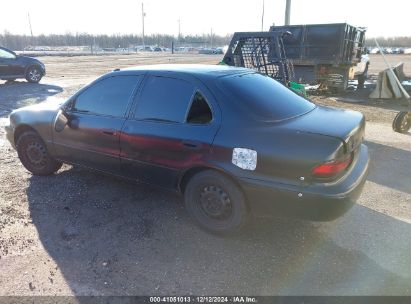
(216, 203)
(33, 74)
(34, 156)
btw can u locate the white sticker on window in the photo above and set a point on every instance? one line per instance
(244, 158)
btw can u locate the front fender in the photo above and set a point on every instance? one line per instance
(38, 117)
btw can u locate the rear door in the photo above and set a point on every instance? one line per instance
(171, 128)
(96, 117)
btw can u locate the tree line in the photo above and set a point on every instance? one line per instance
(21, 42)
(389, 42)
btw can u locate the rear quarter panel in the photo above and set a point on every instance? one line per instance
(283, 156)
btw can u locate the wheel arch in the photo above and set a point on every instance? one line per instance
(21, 129)
(33, 65)
(189, 173)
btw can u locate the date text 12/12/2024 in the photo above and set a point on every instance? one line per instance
(203, 299)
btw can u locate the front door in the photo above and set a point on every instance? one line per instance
(96, 116)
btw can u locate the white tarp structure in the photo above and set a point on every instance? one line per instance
(389, 84)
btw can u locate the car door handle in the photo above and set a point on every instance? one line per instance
(191, 144)
(110, 132)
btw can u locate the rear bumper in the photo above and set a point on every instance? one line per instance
(316, 202)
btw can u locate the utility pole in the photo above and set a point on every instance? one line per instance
(179, 29)
(287, 12)
(262, 19)
(31, 30)
(211, 38)
(143, 14)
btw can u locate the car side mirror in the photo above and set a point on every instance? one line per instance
(62, 120)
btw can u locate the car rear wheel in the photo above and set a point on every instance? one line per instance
(34, 156)
(402, 122)
(216, 203)
(33, 74)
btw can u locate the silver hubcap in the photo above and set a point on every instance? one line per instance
(34, 74)
(406, 121)
(37, 154)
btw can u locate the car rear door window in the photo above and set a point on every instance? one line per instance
(164, 99)
(109, 96)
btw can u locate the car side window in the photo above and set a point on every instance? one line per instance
(6, 55)
(109, 96)
(200, 112)
(164, 99)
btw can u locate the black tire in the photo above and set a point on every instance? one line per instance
(34, 74)
(402, 122)
(216, 203)
(34, 156)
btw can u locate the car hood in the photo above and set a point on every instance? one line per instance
(29, 60)
(346, 125)
(32, 115)
(50, 104)
(27, 57)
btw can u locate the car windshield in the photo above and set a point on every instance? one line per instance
(265, 97)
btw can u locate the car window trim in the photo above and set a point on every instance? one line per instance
(133, 107)
(136, 91)
(159, 120)
(129, 102)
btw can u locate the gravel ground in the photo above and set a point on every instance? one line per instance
(82, 233)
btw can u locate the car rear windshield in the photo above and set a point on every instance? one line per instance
(265, 97)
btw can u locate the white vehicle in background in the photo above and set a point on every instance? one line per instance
(375, 51)
(388, 51)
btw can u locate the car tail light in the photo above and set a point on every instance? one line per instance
(332, 168)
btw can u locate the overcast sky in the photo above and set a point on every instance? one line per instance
(382, 18)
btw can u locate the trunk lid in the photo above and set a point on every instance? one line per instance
(346, 125)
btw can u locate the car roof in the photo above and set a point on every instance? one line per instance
(4, 48)
(212, 71)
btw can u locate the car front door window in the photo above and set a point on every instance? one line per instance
(109, 96)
